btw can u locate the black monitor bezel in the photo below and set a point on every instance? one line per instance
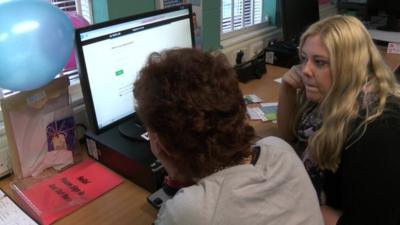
(83, 76)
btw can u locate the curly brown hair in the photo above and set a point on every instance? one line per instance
(192, 100)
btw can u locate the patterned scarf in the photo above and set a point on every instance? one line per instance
(311, 121)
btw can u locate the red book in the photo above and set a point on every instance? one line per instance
(56, 197)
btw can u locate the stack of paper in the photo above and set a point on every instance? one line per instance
(250, 99)
(266, 112)
(11, 214)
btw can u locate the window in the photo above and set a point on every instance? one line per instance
(85, 9)
(82, 7)
(66, 5)
(168, 3)
(239, 14)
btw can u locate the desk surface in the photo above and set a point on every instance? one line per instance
(127, 204)
(267, 89)
(393, 60)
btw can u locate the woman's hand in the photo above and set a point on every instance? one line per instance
(287, 109)
(293, 77)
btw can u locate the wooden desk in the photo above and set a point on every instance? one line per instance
(392, 60)
(267, 89)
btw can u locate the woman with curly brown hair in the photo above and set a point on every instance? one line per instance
(194, 111)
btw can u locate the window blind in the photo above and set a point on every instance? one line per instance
(65, 5)
(238, 14)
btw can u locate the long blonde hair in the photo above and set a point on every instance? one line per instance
(355, 63)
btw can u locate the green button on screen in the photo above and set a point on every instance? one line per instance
(119, 72)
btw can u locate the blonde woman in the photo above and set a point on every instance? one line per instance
(341, 108)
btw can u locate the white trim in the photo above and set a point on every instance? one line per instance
(2, 129)
(75, 95)
(239, 39)
(255, 27)
(85, 9)
(249, 43)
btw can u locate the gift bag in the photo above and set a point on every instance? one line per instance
(40, 128)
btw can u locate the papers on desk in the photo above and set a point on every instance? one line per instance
(250, 99)
(11, 214)
(269, 110)
(278, 80)
(266, 112)
(255, 113)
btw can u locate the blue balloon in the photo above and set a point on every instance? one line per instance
(36, 39)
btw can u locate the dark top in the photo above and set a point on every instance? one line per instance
(366, 187)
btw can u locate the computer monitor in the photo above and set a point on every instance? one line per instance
(297, 15)
(391, 8)
(111, 54)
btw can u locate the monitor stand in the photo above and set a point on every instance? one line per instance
(131, 129)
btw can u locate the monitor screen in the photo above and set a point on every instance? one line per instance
(297, 15)
(112, 53)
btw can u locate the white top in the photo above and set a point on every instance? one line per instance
(277, 190)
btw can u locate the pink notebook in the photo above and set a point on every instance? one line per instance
(58, 196)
